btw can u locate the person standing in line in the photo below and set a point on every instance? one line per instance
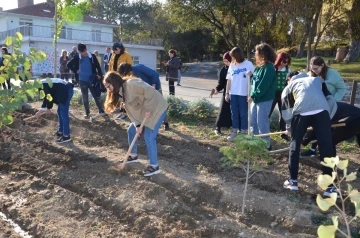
(107, 57)
(7, 84)
(224, 116)
(146, 74)
(334, 82)
(179, 73)
(141, 101)
(306, 102)
(172, 70)
(263, 88)
(282, 62)
(74, 75)
(237, 91)
(64, 70)
(119, 55)
(89, 71)
(61, 93)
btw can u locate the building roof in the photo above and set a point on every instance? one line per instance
(48, 11)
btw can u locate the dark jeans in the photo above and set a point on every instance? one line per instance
(322, 126)
(85, 87)
(239, 112)
(8, 84)
(277, 100)
(63, 114)
(65, 76)
(171, 87)
(106, 68)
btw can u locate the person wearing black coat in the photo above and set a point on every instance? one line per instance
(172, 70)
(5, 52)
(224, 116)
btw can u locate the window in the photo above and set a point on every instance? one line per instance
(135, 59)
(26, 27)
(96, 35)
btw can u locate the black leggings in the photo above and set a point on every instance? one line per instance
(277, 100)
(322, 127)
(172, 87)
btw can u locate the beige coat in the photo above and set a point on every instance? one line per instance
(140, 98)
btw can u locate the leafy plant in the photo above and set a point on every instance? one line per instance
(247, 152)
(177, 106)
(324, 204)
(11, 100)
(201, 108)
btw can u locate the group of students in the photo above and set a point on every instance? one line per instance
(136, 88)
(303, 100)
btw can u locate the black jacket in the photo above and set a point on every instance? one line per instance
(74, 65)
(59, 92)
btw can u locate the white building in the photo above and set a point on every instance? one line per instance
(36, 23)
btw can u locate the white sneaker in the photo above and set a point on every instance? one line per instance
(121, 116)
(232, 136)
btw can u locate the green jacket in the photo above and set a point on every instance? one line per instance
(263, 83)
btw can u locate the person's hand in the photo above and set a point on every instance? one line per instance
(288, 132)
(99, 77)
(48, 111)
(216, 92)
(147, 115)
(249, 73)
(165, 63)
(250, 100)
(138, 130)
(227, 97)
(39, 113)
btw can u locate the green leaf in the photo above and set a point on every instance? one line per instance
(31, 93)
(325, 204)
(49, 81)
(349, 188)
(351, 177)
(2, 79)
(335, 221)
(326, 231)
(27, 65)
(357, 208)
(8, 40)
(354, 195)
(324, 180)
(42, 94)
(19, 36)
(342, 164)
(330, 162)
(28, 75)
(49, 97)
(7, 119)
(38, 83)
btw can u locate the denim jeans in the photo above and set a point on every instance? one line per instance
(179, 77)
(260, 123)
(239, 112)
(150, 140)
(63, 114)
(85, 87)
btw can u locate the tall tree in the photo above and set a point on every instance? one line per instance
(354, 31)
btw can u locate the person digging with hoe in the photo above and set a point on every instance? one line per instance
(141, 101)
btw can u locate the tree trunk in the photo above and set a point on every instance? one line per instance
(354, 51)
(354, 29)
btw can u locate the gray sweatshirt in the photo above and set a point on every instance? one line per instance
(304, 94)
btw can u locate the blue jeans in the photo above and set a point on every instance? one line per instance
(239, 112)
(63, 114)
(150, 140)
(260, 122)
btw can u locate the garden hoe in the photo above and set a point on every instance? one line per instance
(122, 166)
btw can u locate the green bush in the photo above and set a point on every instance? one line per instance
(201, 108)
(177, 106)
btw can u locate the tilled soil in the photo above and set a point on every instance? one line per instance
(75, 190)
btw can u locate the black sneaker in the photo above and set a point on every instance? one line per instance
(87, 116)
(291, 184)
(166, 126)
(151, 170)
(330, 190)
(308, 152)
(131, 160)
(58, 135)
(63, 139)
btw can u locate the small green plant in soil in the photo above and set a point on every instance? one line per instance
(248, 152)
(328, 231)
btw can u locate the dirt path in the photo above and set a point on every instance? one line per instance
(72, 190)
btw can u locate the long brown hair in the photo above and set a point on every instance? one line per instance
(318, 61)
(113, 97)
(265, 54)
